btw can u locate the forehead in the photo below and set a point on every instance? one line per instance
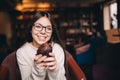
(44, 21)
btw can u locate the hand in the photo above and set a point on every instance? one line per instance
(51, 62)
(39, 62)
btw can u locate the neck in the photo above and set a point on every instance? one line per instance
(35, 45)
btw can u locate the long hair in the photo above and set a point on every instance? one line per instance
(54, 37)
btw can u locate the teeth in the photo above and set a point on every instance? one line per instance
(42, 38)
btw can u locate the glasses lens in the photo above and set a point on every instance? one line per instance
(38, 27)
(49, 29)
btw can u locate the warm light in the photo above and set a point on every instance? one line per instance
(34, 6)
(19, 7)
(43, 5)
(30, 5)
(20, 17)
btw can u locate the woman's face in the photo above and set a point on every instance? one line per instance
(41, 31)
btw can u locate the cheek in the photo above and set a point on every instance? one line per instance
(49, 36)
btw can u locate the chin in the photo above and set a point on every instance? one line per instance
(40, 43)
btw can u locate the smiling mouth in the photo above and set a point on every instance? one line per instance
(42, 38)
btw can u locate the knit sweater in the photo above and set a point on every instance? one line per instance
(25, 57)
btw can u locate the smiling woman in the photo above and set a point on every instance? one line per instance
(33, 66)
(42, 56)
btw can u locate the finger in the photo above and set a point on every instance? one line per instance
(50, 64)
(40, 66)
(37, 57)
(50, 59)
(40, 59)
(52, 54)
(53, 67)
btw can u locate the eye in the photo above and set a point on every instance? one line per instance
(37, 26)
(49, 28)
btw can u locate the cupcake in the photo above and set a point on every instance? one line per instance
(45, 49)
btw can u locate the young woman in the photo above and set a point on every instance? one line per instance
(38, 67)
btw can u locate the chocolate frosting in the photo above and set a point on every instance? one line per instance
(44, 49)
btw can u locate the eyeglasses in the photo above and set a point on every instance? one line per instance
(40, 27)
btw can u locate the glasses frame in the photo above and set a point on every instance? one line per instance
(40, 25)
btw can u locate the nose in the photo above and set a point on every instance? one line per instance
(43, 30)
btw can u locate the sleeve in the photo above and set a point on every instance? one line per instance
(59, 72)
(27, 71)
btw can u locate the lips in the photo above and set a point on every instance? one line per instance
(41, 38)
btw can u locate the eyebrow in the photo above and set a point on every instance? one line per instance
(44, 26)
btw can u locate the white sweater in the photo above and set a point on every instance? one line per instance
(25, 58)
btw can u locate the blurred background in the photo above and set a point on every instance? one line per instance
(89, 30)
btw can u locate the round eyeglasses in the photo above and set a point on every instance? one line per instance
(40, 27)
